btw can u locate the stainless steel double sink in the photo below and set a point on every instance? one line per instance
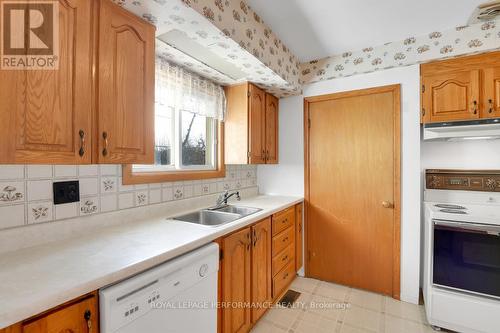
(217, 216)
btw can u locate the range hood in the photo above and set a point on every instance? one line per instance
(482, 129)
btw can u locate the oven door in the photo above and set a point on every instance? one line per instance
(466, 257)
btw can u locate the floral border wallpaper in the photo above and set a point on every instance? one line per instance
(230, 30)
(412, 50)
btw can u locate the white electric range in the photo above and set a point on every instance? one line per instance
(462, 250)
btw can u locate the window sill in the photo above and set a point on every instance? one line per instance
(133, 178)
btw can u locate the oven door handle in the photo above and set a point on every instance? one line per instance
(475, 227)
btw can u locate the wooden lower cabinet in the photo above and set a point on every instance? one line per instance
(261, 268)
(78, 316)
(298, 237)
(236, 284)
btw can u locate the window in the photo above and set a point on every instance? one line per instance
(189, 111)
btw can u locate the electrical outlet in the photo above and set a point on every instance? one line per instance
(66, 192)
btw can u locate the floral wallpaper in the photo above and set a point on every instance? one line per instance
(476, 38)
(229, 29)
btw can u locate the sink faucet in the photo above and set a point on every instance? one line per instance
(224, 197)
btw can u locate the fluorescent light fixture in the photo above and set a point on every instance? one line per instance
(180, 41)
(472, 138)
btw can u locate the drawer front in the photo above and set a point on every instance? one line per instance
(282, 240)
(283, 220)
(283, 279)
(283, 258)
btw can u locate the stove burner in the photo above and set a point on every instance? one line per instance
(445, 206)
(452, 211)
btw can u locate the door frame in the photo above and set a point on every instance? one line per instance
(396, 91)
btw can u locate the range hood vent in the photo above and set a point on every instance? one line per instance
(483, 129)
(485, 12)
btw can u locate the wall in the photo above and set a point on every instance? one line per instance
(26, 195)
(288, 175)
(481, 154)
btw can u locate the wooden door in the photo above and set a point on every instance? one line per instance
(298, 237)
(491, 96)
(126, 87)
(236, 278)
(256, 124)
(272, 113)
(81, 317)
(352, 188)
(261, 268)
(43, 112)
(451, 96)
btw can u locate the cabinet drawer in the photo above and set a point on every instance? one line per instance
(283, 220)
(282, 240)
(283, 279)
(283, 258)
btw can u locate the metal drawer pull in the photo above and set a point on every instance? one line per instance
(284, 258)
(87, 316)
(285, 276)
(285, 239)
(105, 137)
(285, 220)
(475, 107)
(491, 105)
(81, 152)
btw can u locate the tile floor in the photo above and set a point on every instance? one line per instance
(327, 307)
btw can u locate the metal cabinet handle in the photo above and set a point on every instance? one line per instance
(285, 239)
(491, 106)
(254, 238)
(81, 152)
(284, 258)
(88, 318)
(105, 149)
(475, 107)
(387, 204)
(285, 276)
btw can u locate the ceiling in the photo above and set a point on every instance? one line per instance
(314, 29)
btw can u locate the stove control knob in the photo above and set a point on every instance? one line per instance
(203, 270)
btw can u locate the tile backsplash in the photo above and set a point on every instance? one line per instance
(26, 195)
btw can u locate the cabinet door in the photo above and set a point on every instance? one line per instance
(261, 268)
(451, 96)
(272, 111)
(298, 237)
(256, 124)
(236, 281)
(80, 317)
(126, 87)
(491, 103)
(42, 112)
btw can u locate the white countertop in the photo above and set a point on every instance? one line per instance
(36, 279)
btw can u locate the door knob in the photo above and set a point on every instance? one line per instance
(387, 204)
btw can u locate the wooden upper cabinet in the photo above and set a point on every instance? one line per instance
(257, 124)
(463, 88)
(491, 96)
(452, 96)
(236, 281)
(272, 113)
(126, 54)
(45, 115)
(261, 268)
(251, 125)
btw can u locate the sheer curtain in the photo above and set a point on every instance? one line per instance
(183, 90)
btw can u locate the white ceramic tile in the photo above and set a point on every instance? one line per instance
(125, 200)
(178, 192)
(167, 194)
(89, 206)
(141, 186)
(141, 198)
(12, 192)
(124, 188)
(109, 202)
(88, 170)
(65, 171)
(205, 189)
(213, 188)
(11, 172)
(12, 216)
(39, 212)
(188, 191)
(89, 186)
(39, 171)
(66, 211)
(39, 190)
(197, 190)
(155, 185)
(108, 169)
(155, 195)
(109, 184)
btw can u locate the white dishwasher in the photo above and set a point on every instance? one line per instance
(178, 296)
